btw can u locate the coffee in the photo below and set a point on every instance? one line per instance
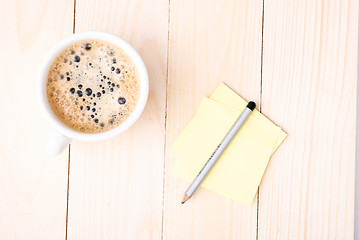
(93, 86)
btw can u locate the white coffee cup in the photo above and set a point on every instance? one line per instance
(63, 134)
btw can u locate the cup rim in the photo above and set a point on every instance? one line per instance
(42, 79)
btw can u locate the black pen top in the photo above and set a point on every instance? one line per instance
(251, 105)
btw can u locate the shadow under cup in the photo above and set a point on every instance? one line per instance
(63, 134)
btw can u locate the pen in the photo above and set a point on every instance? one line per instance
(219, 150)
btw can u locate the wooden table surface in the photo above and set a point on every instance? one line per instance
(297, 59)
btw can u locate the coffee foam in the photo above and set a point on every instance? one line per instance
(93, 86)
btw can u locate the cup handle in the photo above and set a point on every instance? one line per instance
(57, 143)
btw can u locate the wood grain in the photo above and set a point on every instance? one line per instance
(209, 44)
(124, 188)
(32, 185)
(309, 88)
(116, 186)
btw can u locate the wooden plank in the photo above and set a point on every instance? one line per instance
(116, 185)
(33, 185)
(209, 44)
(309, 88)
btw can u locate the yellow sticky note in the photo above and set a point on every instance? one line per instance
(239, 170)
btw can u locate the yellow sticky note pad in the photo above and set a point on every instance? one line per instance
(239, 170)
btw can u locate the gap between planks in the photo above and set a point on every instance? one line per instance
(260, 110)
(68, 188)
(165, 137)
(68, 163)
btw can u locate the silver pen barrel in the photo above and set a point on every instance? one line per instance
(220, 149)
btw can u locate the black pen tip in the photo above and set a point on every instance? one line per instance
(182, 202)
(251, 105)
